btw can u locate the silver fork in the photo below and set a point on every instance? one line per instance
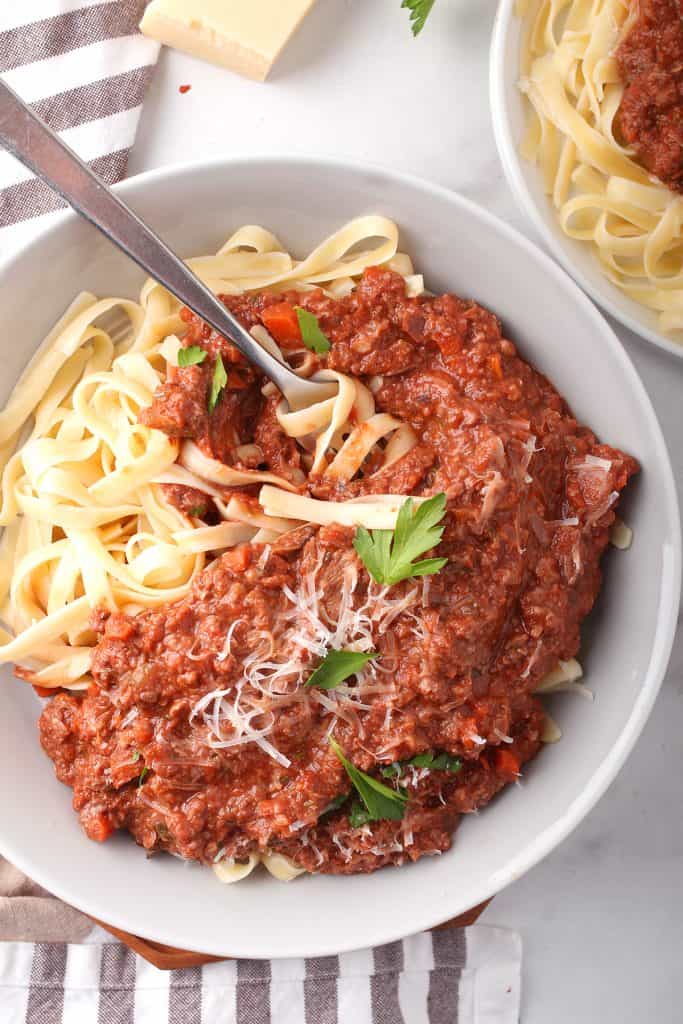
(117, 326)
(36, 145)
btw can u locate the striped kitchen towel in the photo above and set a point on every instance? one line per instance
(454, 976)
(84, 68)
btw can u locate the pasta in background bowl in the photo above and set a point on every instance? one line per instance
(555, 93)
(180, 905)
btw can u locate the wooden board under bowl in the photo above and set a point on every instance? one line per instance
(168, 958)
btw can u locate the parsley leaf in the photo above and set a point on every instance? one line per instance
(141, 776)
(388, 555)
(334, 805)
(220, 379)
(337, 666)
(379, 800)
(435, 762)
(419, 11)
(190, 356)
(311, 335)
(197, 512)
(358, 815)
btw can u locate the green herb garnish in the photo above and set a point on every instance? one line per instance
(311, 335)
(220, 379)
(435, 762)
(191, 356)
(141, 776)
(136, 756)
(197, 512)
(358, 815)
(335, 804)
(337, 666)
(380, 801)
(419, 11)
(388, 554)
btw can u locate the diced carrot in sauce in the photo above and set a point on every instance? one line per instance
(99, 828)
(143, 730)
(237, 559)
(507, 763)
(470, 725)
(496, 366)
(46, 691)
(119, 627)
(281, 321)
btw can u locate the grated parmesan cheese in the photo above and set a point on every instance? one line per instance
(594, 462)
(276, 670)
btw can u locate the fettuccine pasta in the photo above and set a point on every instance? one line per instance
(603, 197)
(86, 521)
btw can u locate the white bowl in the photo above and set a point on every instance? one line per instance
(508, 110)
(627, 643)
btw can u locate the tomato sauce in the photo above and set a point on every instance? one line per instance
(650, 118)
(531, 495)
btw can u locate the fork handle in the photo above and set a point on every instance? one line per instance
(33, 143)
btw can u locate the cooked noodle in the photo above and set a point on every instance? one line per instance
(86, 521)
(602, 195)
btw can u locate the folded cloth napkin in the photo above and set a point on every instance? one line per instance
(84, 68)
(452, 976)
(28, 913)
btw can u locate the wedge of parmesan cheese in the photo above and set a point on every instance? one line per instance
(243, 35)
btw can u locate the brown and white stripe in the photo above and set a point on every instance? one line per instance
(446, 977)
(84, 68)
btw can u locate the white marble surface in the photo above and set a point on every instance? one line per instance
(601, 918)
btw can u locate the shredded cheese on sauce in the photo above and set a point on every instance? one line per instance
(86, 520)
(276, 670)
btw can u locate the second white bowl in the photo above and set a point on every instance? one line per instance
(508, 110)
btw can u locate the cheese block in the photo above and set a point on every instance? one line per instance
(243, 35)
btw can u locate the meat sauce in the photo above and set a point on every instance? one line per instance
(650, 118)
(530, 499)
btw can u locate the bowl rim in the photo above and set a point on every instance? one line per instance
(511, 160)
(534, 851)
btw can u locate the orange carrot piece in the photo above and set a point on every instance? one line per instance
(46, 691)
(507, 763)
(281, 321)
(99, 828)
